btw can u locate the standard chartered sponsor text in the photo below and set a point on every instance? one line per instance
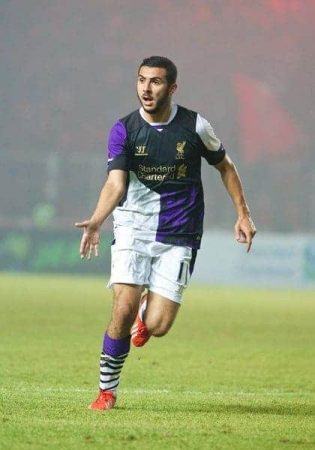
(156, 173)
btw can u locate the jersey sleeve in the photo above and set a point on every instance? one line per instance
(117, 148)
(214, 151)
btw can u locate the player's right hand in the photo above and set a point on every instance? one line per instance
(245, 231)
(90, 239)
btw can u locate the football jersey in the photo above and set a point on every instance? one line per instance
(164, 196)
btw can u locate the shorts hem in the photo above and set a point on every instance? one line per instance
(170, 295)
(124, 281)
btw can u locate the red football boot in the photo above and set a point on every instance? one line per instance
(105, 400)
(139, 332)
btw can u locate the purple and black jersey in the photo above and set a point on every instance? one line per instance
(164, 198)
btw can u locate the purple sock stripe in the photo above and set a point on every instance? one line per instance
(116, 347)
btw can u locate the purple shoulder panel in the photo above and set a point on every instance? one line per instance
(116, 140)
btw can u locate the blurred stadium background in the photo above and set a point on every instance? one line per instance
(68, 72)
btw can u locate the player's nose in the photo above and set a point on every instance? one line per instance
(147, 87)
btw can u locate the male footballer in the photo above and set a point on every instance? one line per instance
(154, 191)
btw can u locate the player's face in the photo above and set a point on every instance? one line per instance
(153, 90)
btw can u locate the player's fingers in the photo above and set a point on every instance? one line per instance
(84, 246)
(96, 249)
(249, 239)
(90, 250)
(237, 232)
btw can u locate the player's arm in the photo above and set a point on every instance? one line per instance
(244, 228)
(110, 196)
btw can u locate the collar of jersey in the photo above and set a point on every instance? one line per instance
(156, 124)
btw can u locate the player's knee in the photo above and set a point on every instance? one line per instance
(159, 333)
(161, 329)
(124, 312)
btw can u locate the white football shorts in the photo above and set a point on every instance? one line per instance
(162, 268)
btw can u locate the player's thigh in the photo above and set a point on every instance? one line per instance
(170, 272)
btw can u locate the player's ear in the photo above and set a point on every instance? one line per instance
(173, 88)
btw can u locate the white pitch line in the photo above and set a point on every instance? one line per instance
(142, 391)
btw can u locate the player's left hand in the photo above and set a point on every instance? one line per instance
(90, 239)
(245, 231)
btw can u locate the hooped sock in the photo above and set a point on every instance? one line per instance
(113, 356)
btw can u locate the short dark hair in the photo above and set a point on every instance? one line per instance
(165, 63)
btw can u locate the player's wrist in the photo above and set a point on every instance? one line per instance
(243, 212)
(95, 223)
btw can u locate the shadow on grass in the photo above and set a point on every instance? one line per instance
(280, 410)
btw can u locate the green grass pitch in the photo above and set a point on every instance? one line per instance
(236, 371)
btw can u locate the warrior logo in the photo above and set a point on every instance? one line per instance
(141, 150)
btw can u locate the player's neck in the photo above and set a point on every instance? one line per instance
(159, 117)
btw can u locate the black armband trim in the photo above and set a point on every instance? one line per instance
(214, 157)
(118, 163)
